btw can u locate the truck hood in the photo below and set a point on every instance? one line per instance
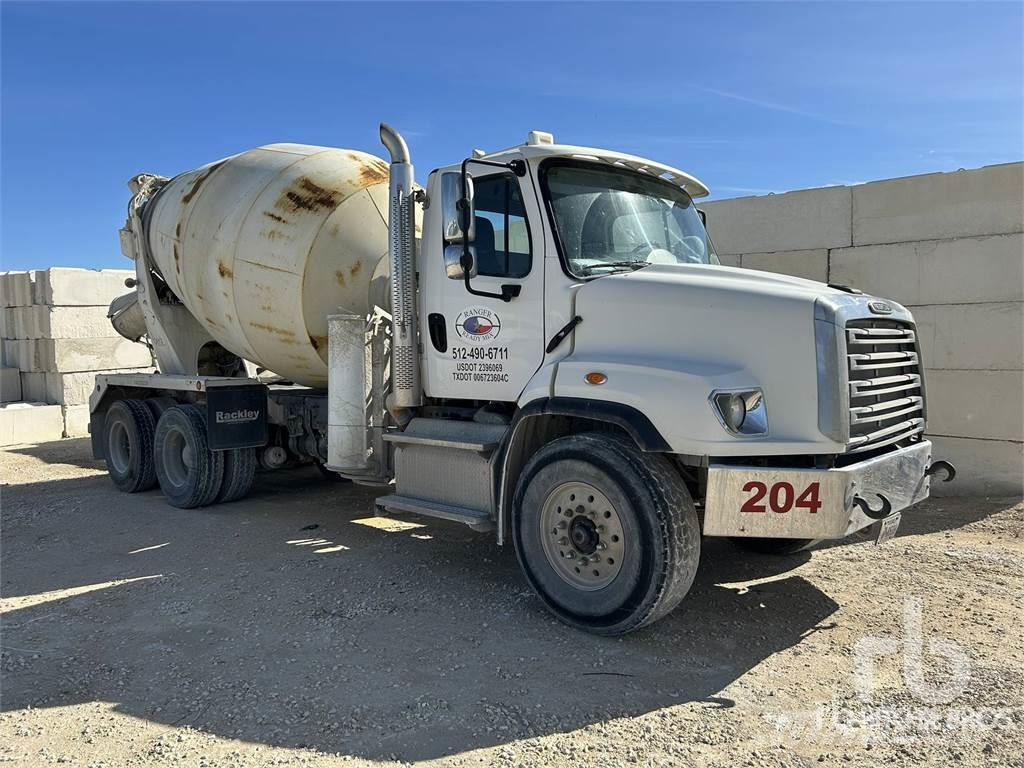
(669, 336)
(728, 279)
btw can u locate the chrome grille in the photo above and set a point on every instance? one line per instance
(886, 393)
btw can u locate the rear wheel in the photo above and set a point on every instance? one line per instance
(772, 546)
(190, 474)
(128, 439)
(239, 473)
(607, 536)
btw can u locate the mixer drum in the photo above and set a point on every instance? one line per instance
(261, 247)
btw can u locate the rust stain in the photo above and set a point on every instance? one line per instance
(306, 195)
(275, 234)
(355, 269)
(177, 258)
(340, 277)
(211, 321)
(200, 180)
(225, 294)
(275, 217)
(373, 172)
(200, 296)
(177, 230)
(223, 271)
(286, 336)
(318, 342)
(266, 308)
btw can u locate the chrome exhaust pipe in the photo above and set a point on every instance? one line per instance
(406, 387)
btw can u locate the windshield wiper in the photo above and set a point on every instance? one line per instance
(629, 264)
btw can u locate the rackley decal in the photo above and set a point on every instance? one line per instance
(236, 417)
(477, 325)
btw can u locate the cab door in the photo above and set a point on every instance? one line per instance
(476, 347)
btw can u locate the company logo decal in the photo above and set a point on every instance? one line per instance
(880, 307)
(237, 417)
(477, 325)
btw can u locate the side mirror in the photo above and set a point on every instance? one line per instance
(451, 210)
(453, 262)
(703, 218)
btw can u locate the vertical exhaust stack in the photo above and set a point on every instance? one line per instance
(406, 389)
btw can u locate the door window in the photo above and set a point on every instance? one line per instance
(502, 236)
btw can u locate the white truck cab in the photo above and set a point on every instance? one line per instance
(563, 360)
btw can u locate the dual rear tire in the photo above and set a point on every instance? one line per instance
(166, 444)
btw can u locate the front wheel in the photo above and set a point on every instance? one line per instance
(607, 536)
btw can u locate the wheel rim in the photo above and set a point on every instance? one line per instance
(582, 536)
(178, 458)
(119, 449)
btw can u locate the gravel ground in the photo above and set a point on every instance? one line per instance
(297, 627)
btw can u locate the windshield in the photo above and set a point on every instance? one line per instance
(613, 220)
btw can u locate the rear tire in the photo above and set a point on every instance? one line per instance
(607, 536)
(128, 441)
(190, 474)
(239, 473)
(772, 546)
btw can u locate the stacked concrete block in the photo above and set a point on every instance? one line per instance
(950, 246)
(10, 385)
(56, 338)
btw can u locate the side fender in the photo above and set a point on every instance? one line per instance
(538, 422)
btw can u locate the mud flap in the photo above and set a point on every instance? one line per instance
(236, 417)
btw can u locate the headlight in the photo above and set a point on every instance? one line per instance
(735, 411)
(741, 412)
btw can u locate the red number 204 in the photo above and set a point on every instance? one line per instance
(781, 497)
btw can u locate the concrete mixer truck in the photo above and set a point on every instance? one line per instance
(540, 342)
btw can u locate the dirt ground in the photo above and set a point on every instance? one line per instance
(298, 627)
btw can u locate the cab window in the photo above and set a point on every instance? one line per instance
(502, 236)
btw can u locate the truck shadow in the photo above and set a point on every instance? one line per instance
(304, 620)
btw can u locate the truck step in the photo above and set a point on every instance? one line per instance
(474, 518)
(459, 435)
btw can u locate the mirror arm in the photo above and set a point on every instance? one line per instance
(508, 291)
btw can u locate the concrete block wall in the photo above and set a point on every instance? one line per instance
(56, 338)
(949, 246)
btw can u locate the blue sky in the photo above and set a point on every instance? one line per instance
(750, 98)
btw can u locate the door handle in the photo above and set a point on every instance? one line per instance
(438, 331)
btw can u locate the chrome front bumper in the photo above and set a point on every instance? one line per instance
(815, 503)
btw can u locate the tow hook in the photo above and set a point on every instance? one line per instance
(941, 465)
(875, 514)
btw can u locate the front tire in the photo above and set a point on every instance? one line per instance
(607, 536)
(190, 474)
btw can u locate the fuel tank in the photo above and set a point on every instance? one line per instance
(262, 246)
